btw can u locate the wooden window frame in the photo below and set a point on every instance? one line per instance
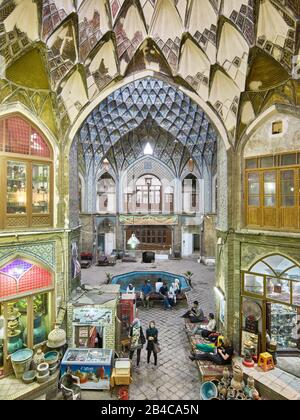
(30, 219)
(279, 217)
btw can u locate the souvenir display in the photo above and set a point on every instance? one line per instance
(283, 326)
(38, 358)
(230, 387)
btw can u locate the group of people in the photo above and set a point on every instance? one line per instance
(169, 294)
(223, 352)
(221, 355)
(138, 340)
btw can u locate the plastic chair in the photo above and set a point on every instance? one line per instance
(266, 362)
(70, 387)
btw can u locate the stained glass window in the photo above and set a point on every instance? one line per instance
(21, 138)
(20, 277)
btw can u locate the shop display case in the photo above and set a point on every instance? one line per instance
(92, 366)
(40, 188)
(283, 326)
(16, 188)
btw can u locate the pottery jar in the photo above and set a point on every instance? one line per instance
(38, 358)
(237, 381)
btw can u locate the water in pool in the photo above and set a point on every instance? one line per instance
(138, 278)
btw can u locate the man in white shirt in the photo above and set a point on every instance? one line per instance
(158, 285)
(206, 331)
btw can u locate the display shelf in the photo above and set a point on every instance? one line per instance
(283, 326)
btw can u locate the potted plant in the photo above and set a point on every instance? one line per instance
(108, 278)
(189, 276)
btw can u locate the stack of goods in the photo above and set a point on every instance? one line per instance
(232, 387)
(52, 358)
(43, 373)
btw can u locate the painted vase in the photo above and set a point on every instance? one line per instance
(14, 344)
(39, 331)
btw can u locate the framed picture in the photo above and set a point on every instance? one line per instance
(222, 310)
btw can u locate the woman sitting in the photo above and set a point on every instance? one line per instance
(222, 356)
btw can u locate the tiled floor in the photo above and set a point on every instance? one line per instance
(176, 377)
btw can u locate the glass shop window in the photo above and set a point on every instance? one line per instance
(283, 326)
(26, 188)
(16, 188)
(254, 284)
(278, 289)
(277, 189)
(40, 188)
(270, 189)
(17, 326)
(41, 312)
(254, 189)
(267, 162)
(288, 160)
(251, 163)
(288, 188)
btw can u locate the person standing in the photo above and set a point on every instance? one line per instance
(137, 340)
(146, 293)
(152, 340)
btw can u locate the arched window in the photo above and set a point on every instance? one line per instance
(190, 194)
(26, 168)
(273, 282)
(148, 194)
(26, 307)
(275, 277)
(106, 191)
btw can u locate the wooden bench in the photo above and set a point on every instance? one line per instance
(157, 298)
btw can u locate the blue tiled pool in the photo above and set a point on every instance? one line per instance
(137, 278)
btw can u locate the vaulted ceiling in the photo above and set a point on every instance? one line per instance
(240, 56)
(148, 111)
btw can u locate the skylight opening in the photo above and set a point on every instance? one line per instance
(148, 149)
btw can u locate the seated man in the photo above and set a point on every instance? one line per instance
(205, 332)
(158, 285)
(222, 356)
(164, 291)
(146, 293)
(195, 314)
(130, 288)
